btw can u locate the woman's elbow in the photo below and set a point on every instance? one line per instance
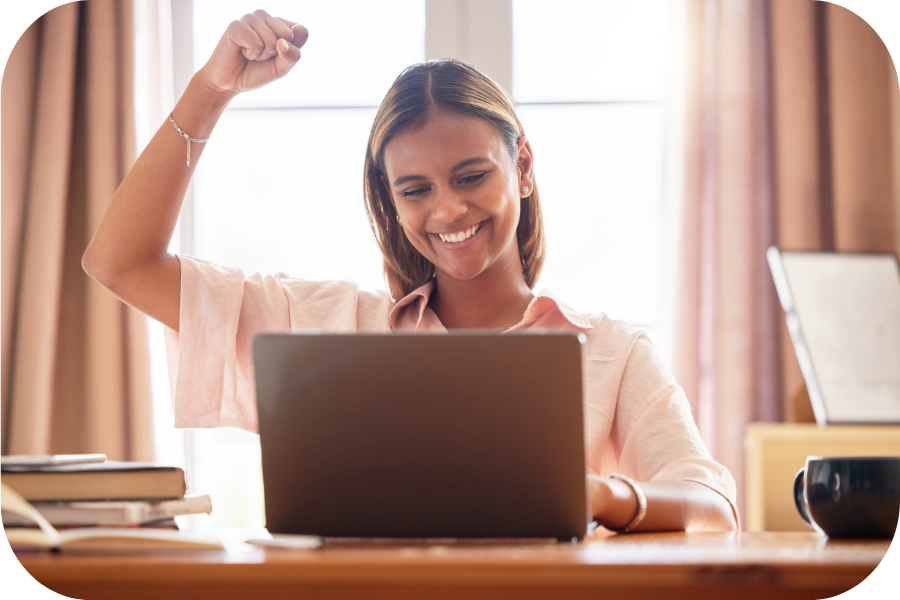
(98, 267)
(729, 521)
(711, 511)
(722, 517)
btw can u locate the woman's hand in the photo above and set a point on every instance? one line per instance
(254, 51)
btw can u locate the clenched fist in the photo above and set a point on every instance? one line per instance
(254, 51)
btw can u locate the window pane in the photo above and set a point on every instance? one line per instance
(228, 467)
(282, 190)
(589, 50)
(599, 172)
(356, 48)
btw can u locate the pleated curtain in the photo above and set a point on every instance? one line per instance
(75, 374)
(785, 131)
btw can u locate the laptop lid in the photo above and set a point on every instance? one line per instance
(422, 435)
(843, 314)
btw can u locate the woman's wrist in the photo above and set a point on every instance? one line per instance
(613, 502)
(200, 107)
(215, 93)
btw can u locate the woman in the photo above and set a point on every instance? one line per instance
(451, 195)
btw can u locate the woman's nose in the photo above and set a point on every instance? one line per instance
(448, 205)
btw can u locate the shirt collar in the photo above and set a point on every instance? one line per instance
(422, 294)
(543, 305)
(546, 304)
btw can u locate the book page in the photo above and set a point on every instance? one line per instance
(45, 537)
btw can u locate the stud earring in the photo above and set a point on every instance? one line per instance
(524, 189)
(398, 220)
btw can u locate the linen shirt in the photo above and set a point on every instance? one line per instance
(637, 419)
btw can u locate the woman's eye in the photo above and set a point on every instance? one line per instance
(472, 178)
(415, 192)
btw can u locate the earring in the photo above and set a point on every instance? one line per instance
(398, 219)
(524, 189)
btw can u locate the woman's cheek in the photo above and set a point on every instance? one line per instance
(419, 241)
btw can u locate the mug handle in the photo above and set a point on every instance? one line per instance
(800, 497)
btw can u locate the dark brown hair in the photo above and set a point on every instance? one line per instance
(459, 87)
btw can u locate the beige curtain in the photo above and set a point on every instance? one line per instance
(788, 137)
(75, 362)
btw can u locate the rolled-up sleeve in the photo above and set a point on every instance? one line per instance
(210, 357)
(655, 429)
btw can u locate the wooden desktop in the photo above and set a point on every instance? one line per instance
(671, 565)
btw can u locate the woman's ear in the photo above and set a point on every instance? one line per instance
(525, 163)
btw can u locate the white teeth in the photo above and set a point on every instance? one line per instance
(459, 237)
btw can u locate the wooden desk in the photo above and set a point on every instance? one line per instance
(675, 565)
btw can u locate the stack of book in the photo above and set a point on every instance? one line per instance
(88, 491)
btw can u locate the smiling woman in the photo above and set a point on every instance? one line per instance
(451, 196)
(466, 211)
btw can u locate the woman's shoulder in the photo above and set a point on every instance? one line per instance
(329, 289)
(335, 304)
(612, 338)
(323, 304)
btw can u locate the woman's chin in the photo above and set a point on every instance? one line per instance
(460, 272)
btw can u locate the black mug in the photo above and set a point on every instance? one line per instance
(850, 497)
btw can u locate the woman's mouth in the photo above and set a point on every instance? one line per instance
(462, 235)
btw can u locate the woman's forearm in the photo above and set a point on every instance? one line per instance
(671, 506)
(128, 254)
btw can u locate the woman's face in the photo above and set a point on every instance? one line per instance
(457, 192)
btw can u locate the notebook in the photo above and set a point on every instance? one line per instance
(466, 435)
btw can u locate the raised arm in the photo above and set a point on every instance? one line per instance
(128, 254)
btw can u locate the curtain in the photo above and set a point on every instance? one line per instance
(75, 362)
(785, 134)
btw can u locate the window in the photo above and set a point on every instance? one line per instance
(280, 184)
(589, 83)
(293, 203)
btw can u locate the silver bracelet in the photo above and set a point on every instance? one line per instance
(641, 499)
(187, 138)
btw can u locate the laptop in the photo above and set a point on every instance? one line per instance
(466, 435)
(843, 314)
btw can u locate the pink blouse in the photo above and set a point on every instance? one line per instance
(637, 419)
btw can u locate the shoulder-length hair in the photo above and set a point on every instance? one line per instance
(459, 87)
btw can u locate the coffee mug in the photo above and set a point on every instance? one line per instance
(850, 497)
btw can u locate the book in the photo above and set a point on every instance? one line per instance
(95, 539)
(109, 480)
(11, 521)
(40, 460)
(113, 513)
